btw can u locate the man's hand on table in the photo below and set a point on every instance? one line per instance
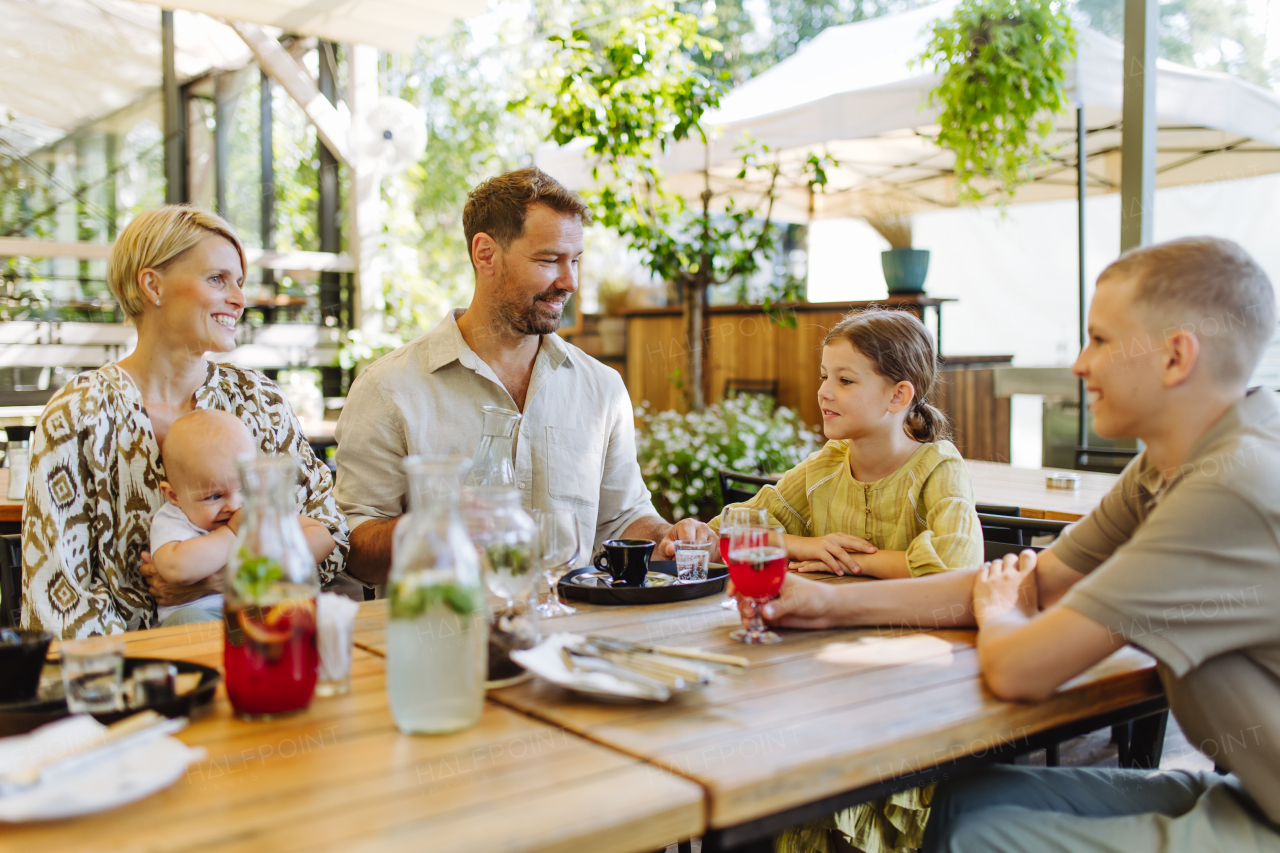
(169, 594)
(688, 528)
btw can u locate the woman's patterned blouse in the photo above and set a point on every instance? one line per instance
(95, 484)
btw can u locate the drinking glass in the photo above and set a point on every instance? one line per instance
(734, 517)
(92, 673)
(692, 557)
(557, 546)
(757, 567)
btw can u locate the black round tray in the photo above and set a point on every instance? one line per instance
(19, 717)
(717, 576)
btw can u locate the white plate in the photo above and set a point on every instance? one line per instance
(544, 660)
(87, 787)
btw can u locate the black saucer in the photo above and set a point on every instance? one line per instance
(582, 585)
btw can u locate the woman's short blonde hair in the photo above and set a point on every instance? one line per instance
(153, 240)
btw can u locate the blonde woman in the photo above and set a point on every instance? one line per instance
(96, 463)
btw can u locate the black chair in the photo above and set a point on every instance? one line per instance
(763, 387)
(731, 495)
(1006, 524)
(10, 580)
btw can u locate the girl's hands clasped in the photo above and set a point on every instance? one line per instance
(834, 552)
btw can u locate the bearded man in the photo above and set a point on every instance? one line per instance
(576, 444)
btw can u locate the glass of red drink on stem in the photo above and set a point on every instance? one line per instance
(733, 518)
(757, 567)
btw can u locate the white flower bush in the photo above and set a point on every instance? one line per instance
(680, 453)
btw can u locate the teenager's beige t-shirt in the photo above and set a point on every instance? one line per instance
(1186, 564)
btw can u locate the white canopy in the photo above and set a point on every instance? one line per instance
(852, 93)
(67, 63)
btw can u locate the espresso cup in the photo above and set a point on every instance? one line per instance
(626, 560)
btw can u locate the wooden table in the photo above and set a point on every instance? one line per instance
(340, 776)
(824, 719)
(1005, 485)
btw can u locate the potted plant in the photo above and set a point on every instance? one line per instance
(1003, 72)
(904, 267)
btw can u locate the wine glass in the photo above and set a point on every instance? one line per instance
(734, 517)
(557, 546)
(757, 567)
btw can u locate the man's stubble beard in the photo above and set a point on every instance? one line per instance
(521, 318)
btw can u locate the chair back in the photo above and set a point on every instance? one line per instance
(10, 580)
(763, 387)
(997, 550)
(731, 495)
(1006, 524)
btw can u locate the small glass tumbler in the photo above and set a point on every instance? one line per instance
(93, 673)
(692, 557)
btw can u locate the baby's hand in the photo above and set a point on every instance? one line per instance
(235, 520)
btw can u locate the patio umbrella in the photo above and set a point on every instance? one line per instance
(853, 93)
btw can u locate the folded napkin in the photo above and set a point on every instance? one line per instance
(545, 660)
(92, 782)
(336, 621)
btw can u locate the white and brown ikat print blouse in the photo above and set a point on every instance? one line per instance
(95, 484)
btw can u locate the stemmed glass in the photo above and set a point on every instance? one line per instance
(757, 567)
(557, 546)
(733, 518)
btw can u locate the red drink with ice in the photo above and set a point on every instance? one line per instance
(270, 657)
(758, 572)
(724, 547)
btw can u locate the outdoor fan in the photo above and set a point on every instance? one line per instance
(392, 136)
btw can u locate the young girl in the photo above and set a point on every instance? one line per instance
(888, 496)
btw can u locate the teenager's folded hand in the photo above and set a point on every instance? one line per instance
(835, 552)
(801, 604)
(1006, 586)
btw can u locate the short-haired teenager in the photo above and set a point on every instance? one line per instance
(1181, 558)
(576, 445)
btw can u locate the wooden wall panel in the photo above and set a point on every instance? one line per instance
(739, 346)
(800, 362)
(655, 350)
(979, 418)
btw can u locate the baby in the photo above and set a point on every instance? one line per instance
(192, 535)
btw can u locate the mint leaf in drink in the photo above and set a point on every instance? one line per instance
(516, 559)
(410, 602)
(256, 575)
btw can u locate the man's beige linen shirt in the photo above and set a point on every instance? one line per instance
(576, 446)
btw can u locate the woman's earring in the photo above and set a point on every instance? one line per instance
(157, 303)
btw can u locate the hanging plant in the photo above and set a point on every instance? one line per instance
(1003, 66)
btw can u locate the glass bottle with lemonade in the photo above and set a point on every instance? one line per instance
(437, 634)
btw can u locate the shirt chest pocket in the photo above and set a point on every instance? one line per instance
(574, 465)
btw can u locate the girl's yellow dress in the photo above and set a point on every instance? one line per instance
(925, 508)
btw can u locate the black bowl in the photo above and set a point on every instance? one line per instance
(21, 659)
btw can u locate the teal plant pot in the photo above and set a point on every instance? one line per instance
(905, 269)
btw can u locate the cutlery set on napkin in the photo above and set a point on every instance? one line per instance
(79, 766)
(604, 667)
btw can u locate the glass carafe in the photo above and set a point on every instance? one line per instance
(437, 634)
(506, 539)
(270, 588)
(493, 463)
